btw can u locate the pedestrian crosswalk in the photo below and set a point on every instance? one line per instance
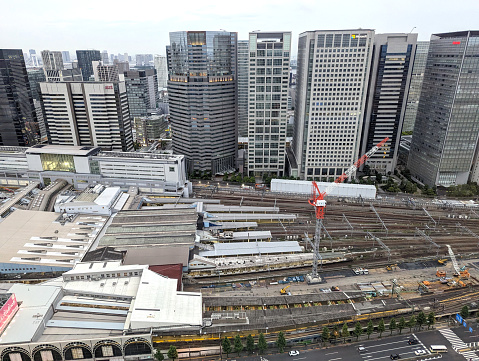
(458, 345)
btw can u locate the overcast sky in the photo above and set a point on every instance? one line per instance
(142, 26)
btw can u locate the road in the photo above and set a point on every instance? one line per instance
(375, 350)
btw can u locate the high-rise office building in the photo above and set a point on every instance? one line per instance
(74, 74)
(161, 67)
(104, 57)
(390, 75)
(331, 84)
(142, 91)
(34, 61)
(122, 66)
(415, 86)
(66, 57)
(446, 131)
(105, 72)
(18, 121)
(85, 59)
(143, 59)
(202, 98)
(268, 102)
(35, 77)
(87, 113)
(243, 84)
(52, 60)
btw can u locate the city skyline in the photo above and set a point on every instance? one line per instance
(56, 29)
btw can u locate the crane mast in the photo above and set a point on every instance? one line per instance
(319, 203)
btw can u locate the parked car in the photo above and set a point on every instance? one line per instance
(294, 353)
(395, 356)
(413, 341)
(420, 352)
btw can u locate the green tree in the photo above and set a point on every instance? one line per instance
(345, 332)
(262, 345)
(401, 324)
(381, 327)
(370, 328)
(172, 353)
(464, 312)
(281, 342)
(358, 330)
(411, 323)
(335, 332)
(325, 335)
(379, 177)
(158, 355)
(226, 344)
(238, 345)
(250, 344)
(421, 319)
(431, 320)
(392, 325)
(225, 178)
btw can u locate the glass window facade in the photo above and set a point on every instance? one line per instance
(58, 162)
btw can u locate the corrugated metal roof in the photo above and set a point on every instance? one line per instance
(245, 248)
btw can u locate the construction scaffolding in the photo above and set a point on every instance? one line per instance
(427, 238)
(381, 243)
(379, 218)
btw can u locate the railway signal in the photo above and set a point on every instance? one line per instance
(319, 203)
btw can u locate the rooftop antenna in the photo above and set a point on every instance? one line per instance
(412, 30)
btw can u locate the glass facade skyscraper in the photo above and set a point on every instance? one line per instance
(142, 91)
(202, 98)
(18, 121)
(446, 132)
(415, 85)
(85, 58)
(391, 70)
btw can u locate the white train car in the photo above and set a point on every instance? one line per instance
(340, 190)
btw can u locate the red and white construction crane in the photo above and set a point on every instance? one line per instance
(319, 203)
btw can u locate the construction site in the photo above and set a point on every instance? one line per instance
(359, 259)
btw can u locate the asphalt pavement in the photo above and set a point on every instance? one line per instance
(374, 350)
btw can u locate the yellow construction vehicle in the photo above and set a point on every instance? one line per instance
(440, 274)
(442, 262)
(283, 290)
(391, 267)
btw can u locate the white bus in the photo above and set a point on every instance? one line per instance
(438, 348)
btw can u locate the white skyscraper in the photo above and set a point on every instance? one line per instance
(52, 60)
(87, 113)
(269, 54)
(331, 85)
(161, 67)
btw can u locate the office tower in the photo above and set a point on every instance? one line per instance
(18, 122)
(268, 99)
(202, 98)
(104, 72)
(415, 86)
(104, 57)
(52, 60)
(446, 131)
(143, 59)
(126, 57)
(64, 75)
(150, 128)
(122, 66)
(85, 58)
(243, 83)
(331, 83)
(142, 91)
(390, 75)
(161, 67)
(112, 58)
(87, 114)
(66, 57)
(35, 77)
